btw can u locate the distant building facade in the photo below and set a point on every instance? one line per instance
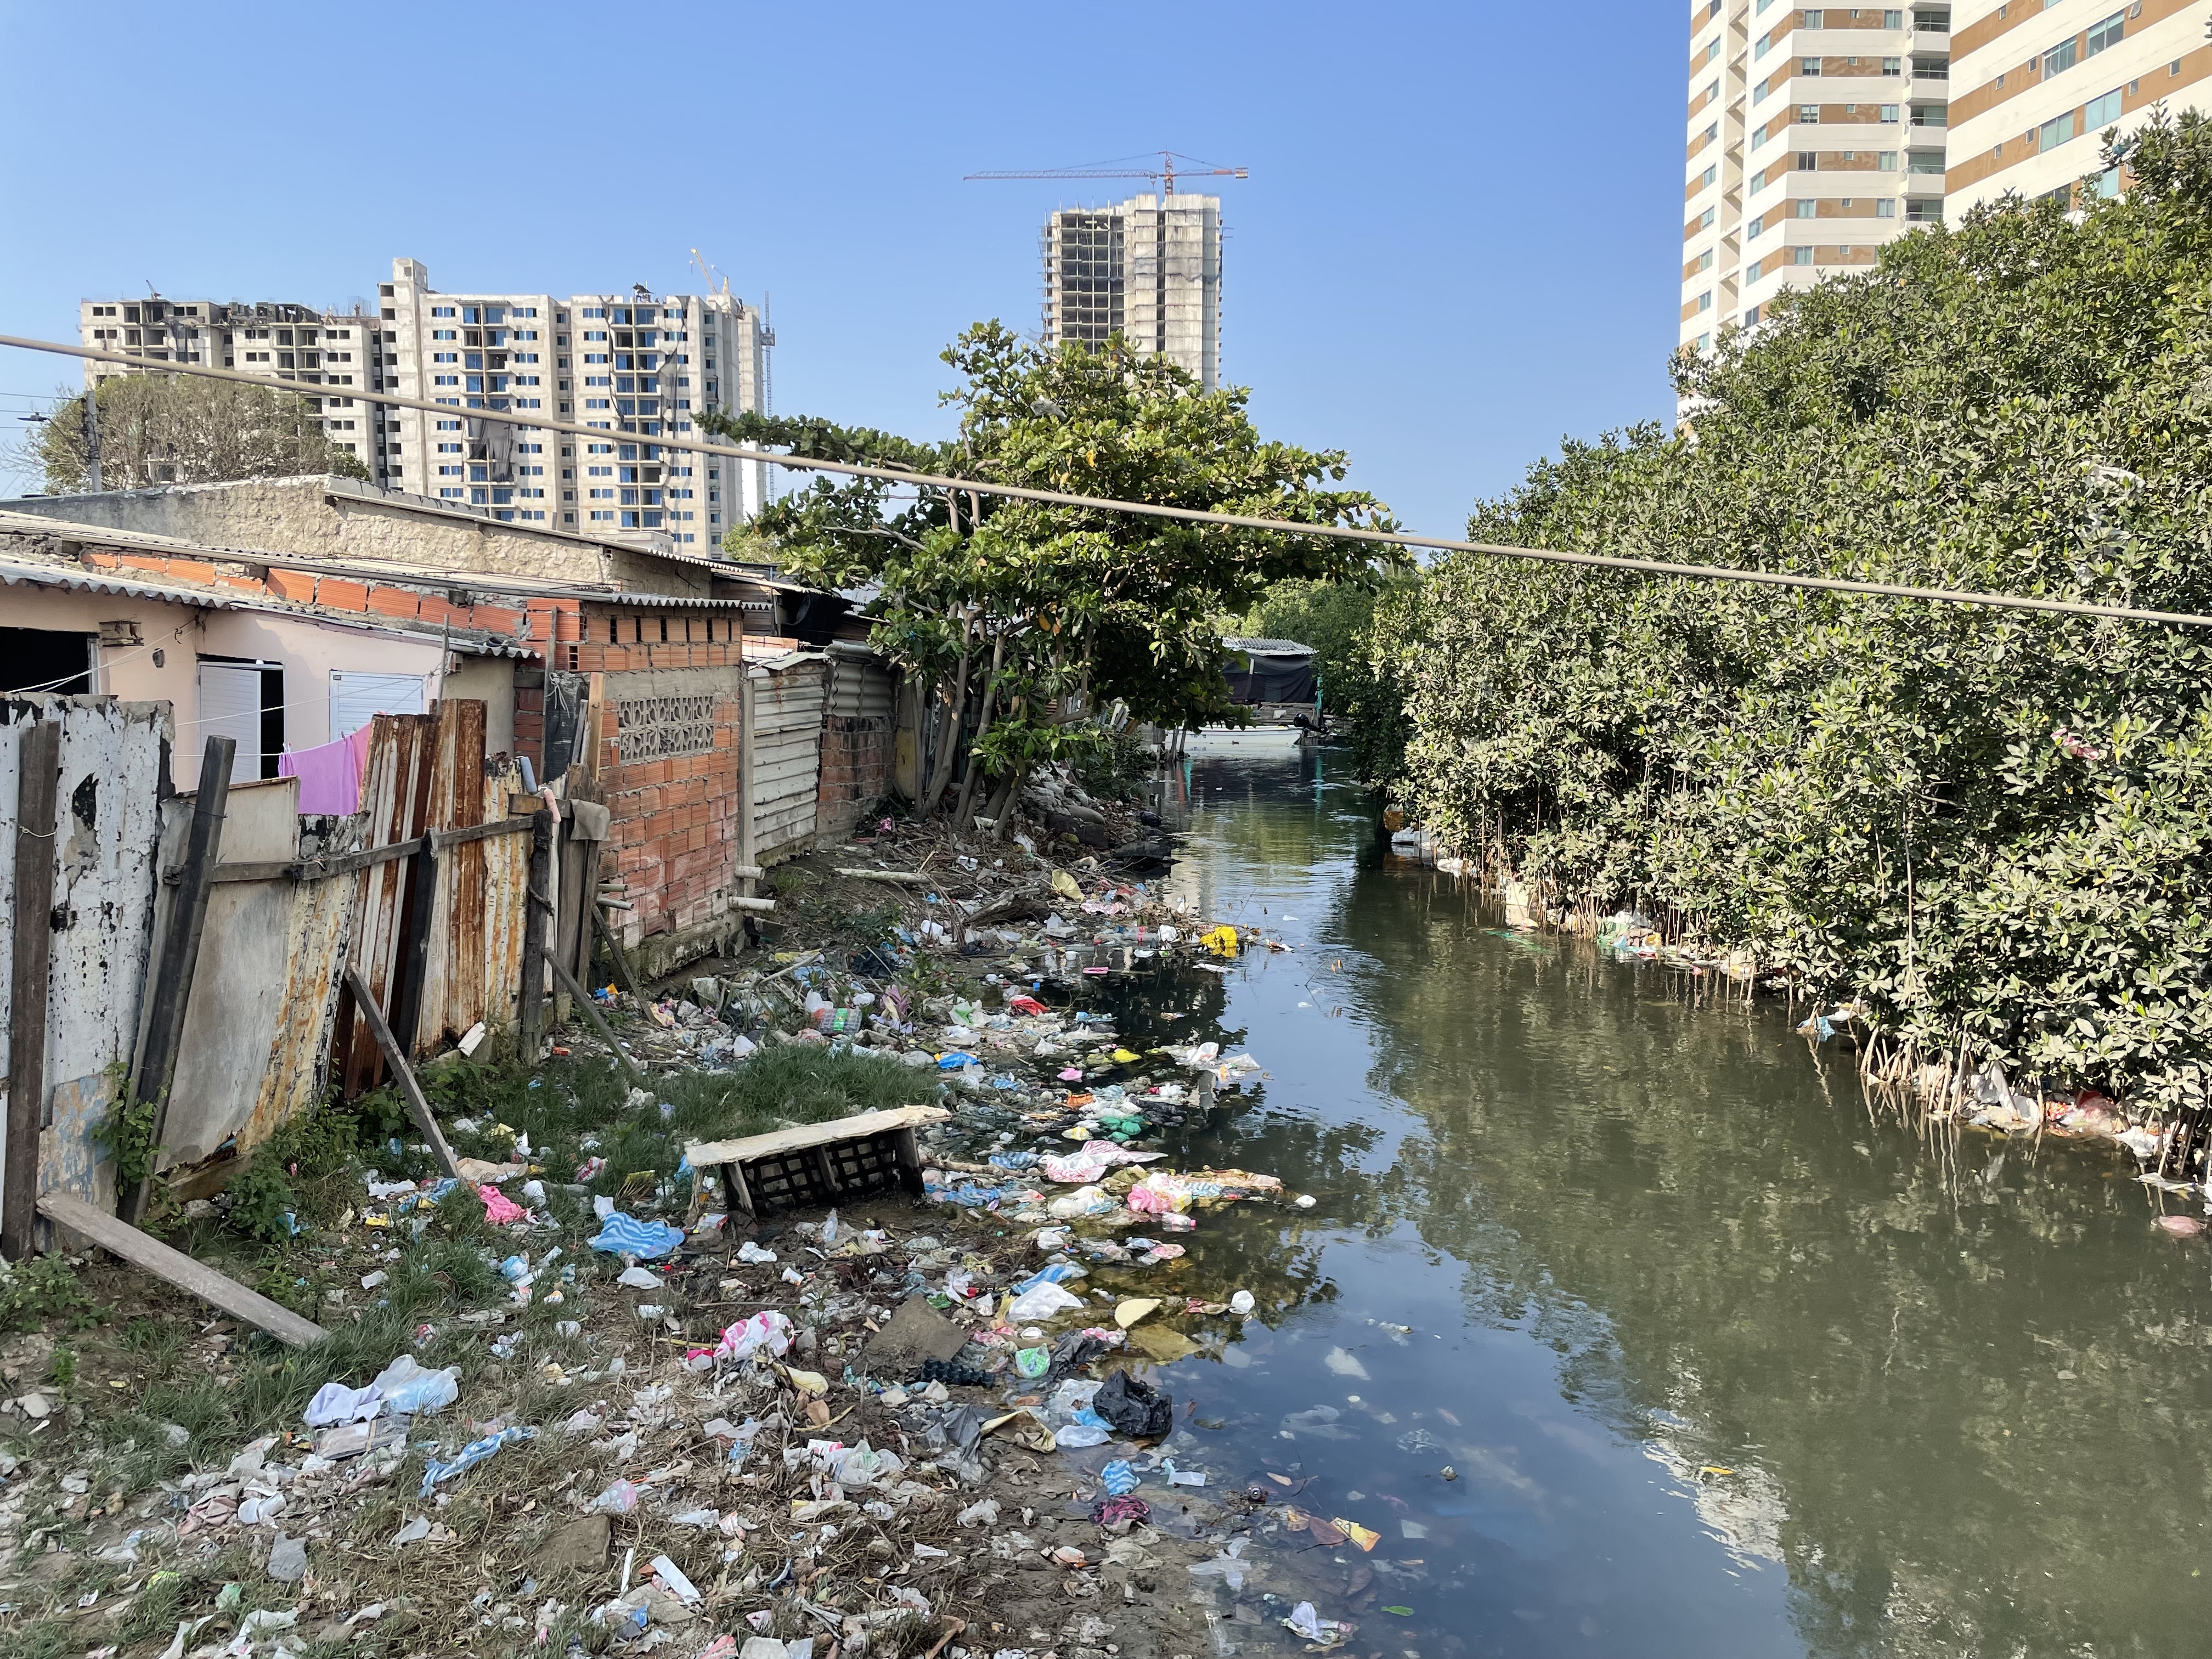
(312, 348)
(1816, 135)
(1148, 269)
(638, 365)
(2039, 85)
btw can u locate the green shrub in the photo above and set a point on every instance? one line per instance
(1994, 827)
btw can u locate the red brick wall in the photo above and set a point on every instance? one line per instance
(856, 770)
(674, 830)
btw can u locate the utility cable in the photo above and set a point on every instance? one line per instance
(1156, 510)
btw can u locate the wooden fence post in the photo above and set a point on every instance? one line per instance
(39, 760)
(530, 1017)
(414, 965)
(171, 990)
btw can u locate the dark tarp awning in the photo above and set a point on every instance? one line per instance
(1270, 671)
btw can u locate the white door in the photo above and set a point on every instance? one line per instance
(355, 697)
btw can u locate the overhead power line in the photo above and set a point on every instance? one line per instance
(1156, 510)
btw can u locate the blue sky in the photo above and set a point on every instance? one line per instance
(1458, 241)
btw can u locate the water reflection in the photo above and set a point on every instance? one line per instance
(1722, 1356)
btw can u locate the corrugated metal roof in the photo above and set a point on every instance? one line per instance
(76, 578)
(1269, 647)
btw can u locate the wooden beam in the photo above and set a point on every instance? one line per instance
(530, 1017)
(615, 950)
(590, 1010)
(347, 864)
(38, 762)
(170, 987)
(175, 1267)
(705, 1154)
(401, 1072)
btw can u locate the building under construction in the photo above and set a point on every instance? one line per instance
(1148, 269)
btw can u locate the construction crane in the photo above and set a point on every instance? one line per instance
(1165, 174)
(711, 276)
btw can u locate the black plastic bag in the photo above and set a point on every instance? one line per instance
(1134, 1407)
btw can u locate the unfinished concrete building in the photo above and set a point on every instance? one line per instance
(1148, 269)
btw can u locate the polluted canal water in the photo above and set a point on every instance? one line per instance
(1722, 1355)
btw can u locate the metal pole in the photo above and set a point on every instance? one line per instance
(91, 435)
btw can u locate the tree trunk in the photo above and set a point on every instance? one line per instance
(967, 800)
(941, 774)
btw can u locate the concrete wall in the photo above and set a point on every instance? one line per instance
(345, 518)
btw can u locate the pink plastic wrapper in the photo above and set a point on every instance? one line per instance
(499, 1208)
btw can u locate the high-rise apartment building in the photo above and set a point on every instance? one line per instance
(300, 343)
(638, 365)
(2038, 85)
(1816, 134)
(1148, 269)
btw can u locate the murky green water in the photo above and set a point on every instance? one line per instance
(1960, 1390)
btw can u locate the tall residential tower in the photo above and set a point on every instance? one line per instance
(1816, 134)
(1148, 269)
(640, 364)
(2039, 85)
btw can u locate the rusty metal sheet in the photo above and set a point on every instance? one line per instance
(395, 795)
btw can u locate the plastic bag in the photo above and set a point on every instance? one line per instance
(1042, 1302)
(406, 1388)
(1135, 1407)
(1083, 1201)
(767, 1329)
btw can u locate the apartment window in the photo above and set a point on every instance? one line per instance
(1807, 160)
(1751, 273)
(1713, 91)
(442, 311)
(1712, 135)
(2173, 69)
(1705, 180)
(1808, 114)
(1705, 218)
(1712, 50)
(2107, 184)
(1755, 229)
(1758, 92)
(1805, 206)
(1885, 209)
(1812, 16)
(2056, 131)
(1800, 256)
(1705, 301)
(2062, 56)
(1889, 114)
(1808, 66)
(1760, 51)
(1705, 260)
(1751, 317)
(2102, 112)
(1886, 161)
(1892, 66)
(1892, 20)
(2109, 33)
(1704, 342)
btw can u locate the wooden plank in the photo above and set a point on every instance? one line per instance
(590, 1010)
(348, 864)
(38, 764)
(174, 1268)
(169, 985)
(704, 1154)
(614, 951)
(531, 1012)
(417, 1108)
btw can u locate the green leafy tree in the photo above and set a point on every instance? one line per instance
(177, 428)
(1023, 618)
(1992, 828)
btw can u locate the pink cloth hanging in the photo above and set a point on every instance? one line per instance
(330, 776)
